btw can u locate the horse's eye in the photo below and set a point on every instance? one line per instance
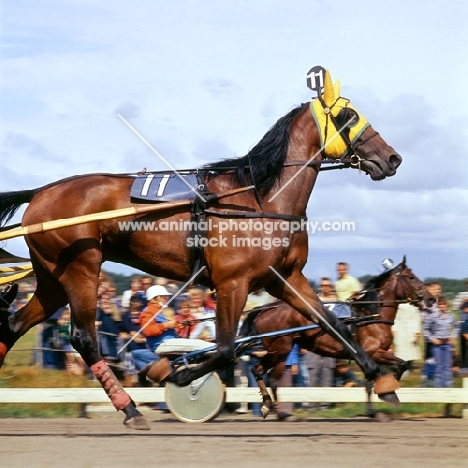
(347, 117)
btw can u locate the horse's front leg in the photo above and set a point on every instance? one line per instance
(296, 291)
(231, 298)
(384, 357)
(258, 372)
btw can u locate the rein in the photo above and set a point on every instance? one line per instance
(339, 164)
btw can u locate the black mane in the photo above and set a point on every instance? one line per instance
(371, 290)
(376, 281)
(266, 158)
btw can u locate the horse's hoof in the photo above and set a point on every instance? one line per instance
(265, 411)
(385, 384)
(137, 422)
(390, 398)
(381, 417)
(160, 371)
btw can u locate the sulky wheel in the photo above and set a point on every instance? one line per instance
(199, 401)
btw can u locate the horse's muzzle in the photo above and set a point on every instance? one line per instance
(379, 167)
(429, 302)
(394, 161)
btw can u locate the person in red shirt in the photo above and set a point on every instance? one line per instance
(154, 323)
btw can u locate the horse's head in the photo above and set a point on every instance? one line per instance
(394, 285)
(408, 286)
(346, 134)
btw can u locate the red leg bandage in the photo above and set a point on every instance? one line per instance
(3, 353)
(111, 385)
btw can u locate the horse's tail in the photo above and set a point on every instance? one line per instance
(11, 201)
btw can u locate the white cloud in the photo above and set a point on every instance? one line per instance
(203, 81)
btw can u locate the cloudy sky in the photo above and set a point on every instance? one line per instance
(204, 80)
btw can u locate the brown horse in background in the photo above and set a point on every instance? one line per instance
(67, 261)
(380, 296)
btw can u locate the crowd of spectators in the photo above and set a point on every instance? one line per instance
(131, 326)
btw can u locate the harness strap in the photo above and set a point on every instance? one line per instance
(372, 135)
(254, 214)
(364, 323)
(197, 219)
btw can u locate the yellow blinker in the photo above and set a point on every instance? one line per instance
(332, 142)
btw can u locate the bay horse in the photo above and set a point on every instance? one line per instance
(374, 310)
(67, 261)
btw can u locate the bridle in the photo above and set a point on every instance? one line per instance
(397, 279)
(414, 296)
(349, 156)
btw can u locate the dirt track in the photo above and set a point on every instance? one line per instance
(234, 441)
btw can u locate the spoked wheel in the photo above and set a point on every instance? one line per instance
(198, 402)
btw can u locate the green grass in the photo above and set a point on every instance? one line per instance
(35, 377)
(414, 410)
(17, 358)
(20, 372)
(406, 410)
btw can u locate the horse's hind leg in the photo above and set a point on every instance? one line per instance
(83, 300)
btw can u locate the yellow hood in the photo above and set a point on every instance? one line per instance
(333, 144)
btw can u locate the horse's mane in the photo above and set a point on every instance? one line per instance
(370, 293)
(265, 159)
(377, 280)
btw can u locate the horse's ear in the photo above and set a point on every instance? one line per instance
(336, 88)
(403, 262)
(328, 91)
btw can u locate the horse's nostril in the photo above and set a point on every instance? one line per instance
(394, 160)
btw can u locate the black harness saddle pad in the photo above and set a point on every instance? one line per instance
(163, 187)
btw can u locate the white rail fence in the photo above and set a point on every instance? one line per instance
(238, 395)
